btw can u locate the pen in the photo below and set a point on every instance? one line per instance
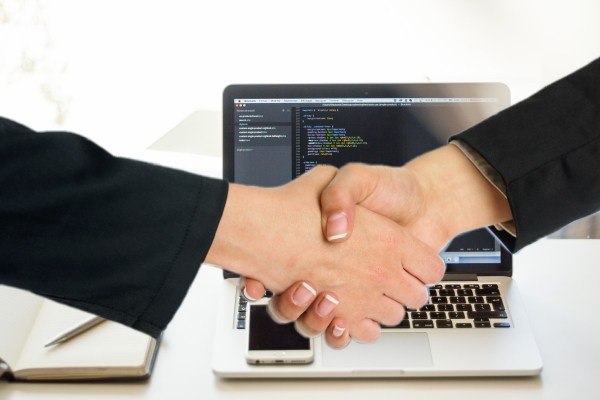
(75, 330)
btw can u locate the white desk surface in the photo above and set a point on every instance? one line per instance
(125, 72)
(568, 337)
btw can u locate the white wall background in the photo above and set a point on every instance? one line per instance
(125, 72)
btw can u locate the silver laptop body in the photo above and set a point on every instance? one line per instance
(474, 324)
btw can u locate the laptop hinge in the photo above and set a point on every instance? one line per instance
(460, 277)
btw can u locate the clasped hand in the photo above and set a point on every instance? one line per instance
(375, 251)
(365, 267)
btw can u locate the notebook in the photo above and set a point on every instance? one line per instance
(474, 323)
(108, 351)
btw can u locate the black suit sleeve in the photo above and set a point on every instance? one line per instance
(547, 151)
(116, 237)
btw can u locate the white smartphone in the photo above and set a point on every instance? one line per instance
(271, 343)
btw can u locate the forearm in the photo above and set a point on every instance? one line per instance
(246, 235)
(545, 149)
(115, 237)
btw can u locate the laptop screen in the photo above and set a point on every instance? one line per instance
(274, 133)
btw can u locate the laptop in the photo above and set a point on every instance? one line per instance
(474, 323)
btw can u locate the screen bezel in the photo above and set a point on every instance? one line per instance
(378, 90)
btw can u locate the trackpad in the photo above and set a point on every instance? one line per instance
(392, 350)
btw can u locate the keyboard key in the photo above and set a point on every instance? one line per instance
(487, 292)
(452, 286)
(241, 316)
(405, 324)
(471, 286)
(486, 314)
(489, 286)
(476, 299)
(446, 292)
(268, 293)
(421, 324)
(242, 308)
(443, 323)
(496, 303)
(494, 299)
(418, 315)
(445, 307)
(458, 299)
(241, 324)
(452, 305)
(464, 307)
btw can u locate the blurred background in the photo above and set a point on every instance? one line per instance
(124, 73)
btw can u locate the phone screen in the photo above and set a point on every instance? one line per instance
(266, 334)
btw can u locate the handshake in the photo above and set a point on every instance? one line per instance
(345, 251)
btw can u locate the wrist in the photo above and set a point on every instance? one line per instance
(230, 248)
(456, 193)
(271, 234)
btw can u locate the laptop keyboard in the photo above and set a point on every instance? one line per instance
(450, 305)
(459, 305)
(241, 308)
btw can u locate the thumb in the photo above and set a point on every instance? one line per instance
(252, 289)
(351, 185)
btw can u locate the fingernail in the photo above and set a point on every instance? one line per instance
(247, 296)
(338, 330)
(303, 294)
(337, 226)
(327, 305)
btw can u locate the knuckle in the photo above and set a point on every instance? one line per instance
(419, 299)
(353, 168)
(424, 296)
(432, 269)
(401, 315)
(334, 195)
(373, 335)
(397, 317)
(367, 332)
(440, 269)
(325, 168)
(437, 267)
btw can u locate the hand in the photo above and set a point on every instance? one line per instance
(436, 196)
(299, 303)
(273, 235)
